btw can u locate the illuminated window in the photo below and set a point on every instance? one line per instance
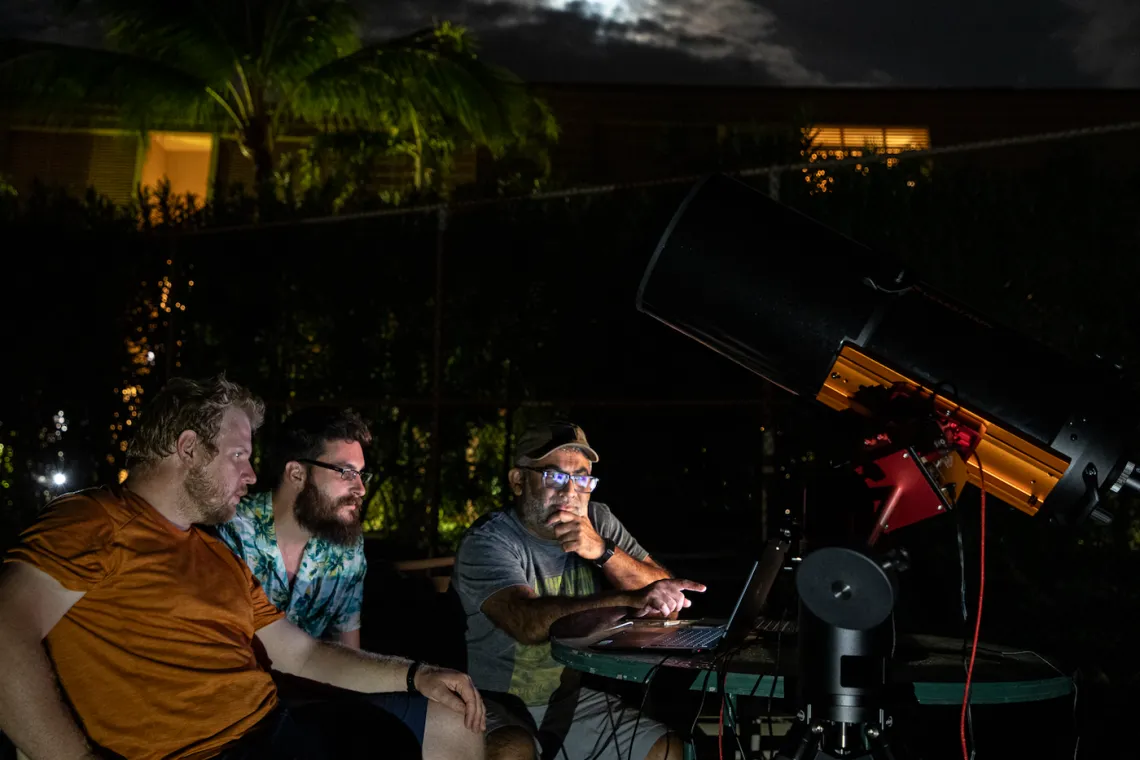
(853, 139)
(827, 142)
(182, 158)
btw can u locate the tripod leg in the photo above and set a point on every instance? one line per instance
(882, 748)
(801, 743)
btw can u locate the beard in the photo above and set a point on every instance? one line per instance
(208, 500)
(534, 511)
(319, 515)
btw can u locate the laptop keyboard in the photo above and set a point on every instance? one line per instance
(686, 638)
(776, 626)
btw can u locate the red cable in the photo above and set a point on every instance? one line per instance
(720, 731)
(978, 617)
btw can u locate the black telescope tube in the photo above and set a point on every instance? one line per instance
(779, 293)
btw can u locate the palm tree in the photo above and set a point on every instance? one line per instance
(262, 67)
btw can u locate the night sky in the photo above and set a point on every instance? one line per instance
(950, 43)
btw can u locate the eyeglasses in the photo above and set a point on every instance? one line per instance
(346, 473)
(558, 480)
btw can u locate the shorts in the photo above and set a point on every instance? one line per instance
(598, 726)
(335, 729)
(410, 709)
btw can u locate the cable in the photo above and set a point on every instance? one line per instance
(644, 698)
(978, 618)
(958, 522)
(722, 675)
(772, 687)
(701, 706)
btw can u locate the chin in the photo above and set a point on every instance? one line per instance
(219, 516)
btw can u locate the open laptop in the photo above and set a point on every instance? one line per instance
(630, 636)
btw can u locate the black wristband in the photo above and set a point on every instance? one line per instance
(607, 553)
(412, 677)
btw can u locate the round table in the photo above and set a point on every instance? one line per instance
(933, 664)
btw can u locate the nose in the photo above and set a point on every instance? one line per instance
(249, 477)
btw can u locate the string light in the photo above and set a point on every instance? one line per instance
(144, 345)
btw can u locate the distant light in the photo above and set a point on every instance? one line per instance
(59, 478)
(150, 356)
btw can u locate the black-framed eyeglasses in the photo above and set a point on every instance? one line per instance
(346, 473)
(558, 480)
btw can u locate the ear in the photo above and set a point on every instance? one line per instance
(295, 474)
(515, 477)
(186, 447)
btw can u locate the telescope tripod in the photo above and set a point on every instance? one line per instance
(826, 740)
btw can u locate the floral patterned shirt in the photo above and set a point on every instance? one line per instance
(326, 594)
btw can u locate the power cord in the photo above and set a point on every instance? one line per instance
(978, 618)
(644, 698)
(701, 706)
(965, 614)
(722, 680)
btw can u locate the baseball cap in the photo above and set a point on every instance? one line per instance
(539, 440)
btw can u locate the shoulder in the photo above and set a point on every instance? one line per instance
(496, 528)
(255, 508)
(601, 514)
(104, 506)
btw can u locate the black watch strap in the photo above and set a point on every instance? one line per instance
(611, 547)
(412, 677)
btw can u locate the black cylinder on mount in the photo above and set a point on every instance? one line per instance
(844, 635)
(780, 294)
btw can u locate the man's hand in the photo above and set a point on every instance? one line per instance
(577, 534)
(453, 690)
(663, 598)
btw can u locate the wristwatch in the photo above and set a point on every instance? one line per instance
(607, 553)
(412, 677)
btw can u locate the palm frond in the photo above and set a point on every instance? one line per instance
(58, 81)
(204, 37)
(301, 36)
(431, 75)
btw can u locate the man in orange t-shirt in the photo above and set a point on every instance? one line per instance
(150, 621)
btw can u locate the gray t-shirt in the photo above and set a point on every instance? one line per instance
(498, 552)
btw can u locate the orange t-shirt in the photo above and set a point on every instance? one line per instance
(157, 657)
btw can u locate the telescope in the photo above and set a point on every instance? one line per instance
(944, 395)
(931, 396)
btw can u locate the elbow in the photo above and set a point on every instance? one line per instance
(533, 637)
(526, 634)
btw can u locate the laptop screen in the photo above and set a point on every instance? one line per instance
(756, 591)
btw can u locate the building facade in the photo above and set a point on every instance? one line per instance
(612, 133)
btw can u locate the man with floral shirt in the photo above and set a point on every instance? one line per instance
(303, 539)
(303, 542)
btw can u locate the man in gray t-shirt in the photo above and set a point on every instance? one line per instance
(519, 570)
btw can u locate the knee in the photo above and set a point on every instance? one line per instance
(510, 743)
(446, 735)
(668, 747)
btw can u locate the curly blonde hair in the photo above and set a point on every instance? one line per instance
(185, 404)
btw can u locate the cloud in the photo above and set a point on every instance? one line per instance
(1107, 40)
(945, 43)
(35, 20)
(676, 41)
(968, 43)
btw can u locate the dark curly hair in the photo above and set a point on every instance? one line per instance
(304, 434)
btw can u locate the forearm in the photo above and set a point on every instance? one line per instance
(32, 713)
(355, 670)
(625, 572)
(533, 617)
